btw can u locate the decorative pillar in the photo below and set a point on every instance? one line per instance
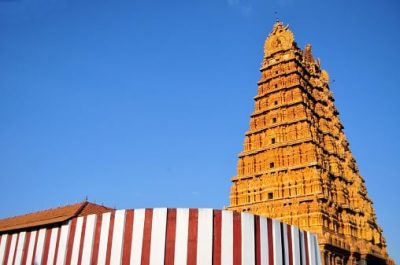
(363, 260)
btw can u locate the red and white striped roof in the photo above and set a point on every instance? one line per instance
(163, 237)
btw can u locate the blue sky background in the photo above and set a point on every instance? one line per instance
(145, 103)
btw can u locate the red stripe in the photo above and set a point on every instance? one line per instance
(290, 249)
(96, 240)
(15, 249)
(25, 249)
(1, 236)
(237, 239)
(110, 236)
(148, 219)
(192, 237)
(170, 237)
(257, 239)
(57, 245)
(70, 243)
(270, 242)
(127, 243)
(217, 237)
(82, 240)
(45, 254)
(306, 247)
(7, 249)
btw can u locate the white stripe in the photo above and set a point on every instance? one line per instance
(88, 240)
(20, 248)
(311, 252)
(52, 246)
(77, 241)
(137, 236)
(118, 237)
(105, 224)
(264, 241)
(12, 249)
(181, 236)
(3, 243)
(157, 243)
(39, 246)
(205, 236)
(295, 246)
(62, 245)
(227, 238)
(248, 248)
(276, 229)
(31, 247)
(317, 252)
(285, 243)
(302, 247)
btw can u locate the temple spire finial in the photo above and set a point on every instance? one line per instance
(276, 17)
(280, 38)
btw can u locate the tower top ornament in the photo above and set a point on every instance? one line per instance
(281, 38)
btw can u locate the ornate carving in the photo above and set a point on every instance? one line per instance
(296, 165)
(281, 38)
(325, 76)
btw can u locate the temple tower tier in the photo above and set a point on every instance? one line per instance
(296, 164)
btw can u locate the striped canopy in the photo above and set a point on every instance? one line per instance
(163, 237)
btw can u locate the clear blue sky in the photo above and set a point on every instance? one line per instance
(145, 103)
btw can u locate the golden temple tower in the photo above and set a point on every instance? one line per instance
(296, 163)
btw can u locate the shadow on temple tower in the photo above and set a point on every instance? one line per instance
(296, 164)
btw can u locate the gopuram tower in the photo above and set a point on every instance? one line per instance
(296, 164)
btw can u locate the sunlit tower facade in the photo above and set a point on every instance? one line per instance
(296, 164)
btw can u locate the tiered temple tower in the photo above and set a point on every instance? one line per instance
(296, 165)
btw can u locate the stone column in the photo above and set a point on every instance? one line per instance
(363, 260)
(352, 260)
(325, 257)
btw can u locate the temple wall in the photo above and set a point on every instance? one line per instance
(161, 237)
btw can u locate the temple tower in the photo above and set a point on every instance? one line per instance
(296, 164)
